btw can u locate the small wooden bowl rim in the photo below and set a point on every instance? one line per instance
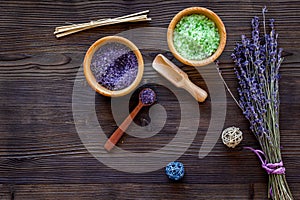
(90, 77)
(211, 15)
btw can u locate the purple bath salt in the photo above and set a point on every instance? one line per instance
(147, 96)
(114, 66)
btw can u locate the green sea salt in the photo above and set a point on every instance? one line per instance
(196, 37)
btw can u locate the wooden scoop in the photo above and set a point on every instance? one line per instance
(176, 76)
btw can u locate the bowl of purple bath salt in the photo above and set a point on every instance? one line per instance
(113, 66)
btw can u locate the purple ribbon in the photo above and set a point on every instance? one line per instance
(271, 168)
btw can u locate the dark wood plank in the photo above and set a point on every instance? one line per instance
(41, 154)
(129, 191)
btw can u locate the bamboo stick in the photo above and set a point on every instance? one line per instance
(74, 28)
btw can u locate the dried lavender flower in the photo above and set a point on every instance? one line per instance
(257, 60)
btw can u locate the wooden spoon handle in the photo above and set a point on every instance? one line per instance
(115, 137)
(198, 93)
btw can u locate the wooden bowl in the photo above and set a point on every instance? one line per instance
(92, 80)
(209, 14)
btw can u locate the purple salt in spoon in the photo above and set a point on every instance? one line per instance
(146, 98)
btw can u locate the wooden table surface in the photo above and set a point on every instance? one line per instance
(42, 155)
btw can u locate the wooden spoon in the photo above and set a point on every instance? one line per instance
(115, 137)
(176, 76)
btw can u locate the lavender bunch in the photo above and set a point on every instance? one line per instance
(257, 61)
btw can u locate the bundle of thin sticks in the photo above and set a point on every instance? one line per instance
(74, 28)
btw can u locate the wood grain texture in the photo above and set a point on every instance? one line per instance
(41, 154)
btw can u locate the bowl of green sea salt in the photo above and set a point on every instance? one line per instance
(196, 36)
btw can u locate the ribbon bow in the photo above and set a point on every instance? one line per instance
(271, 168)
